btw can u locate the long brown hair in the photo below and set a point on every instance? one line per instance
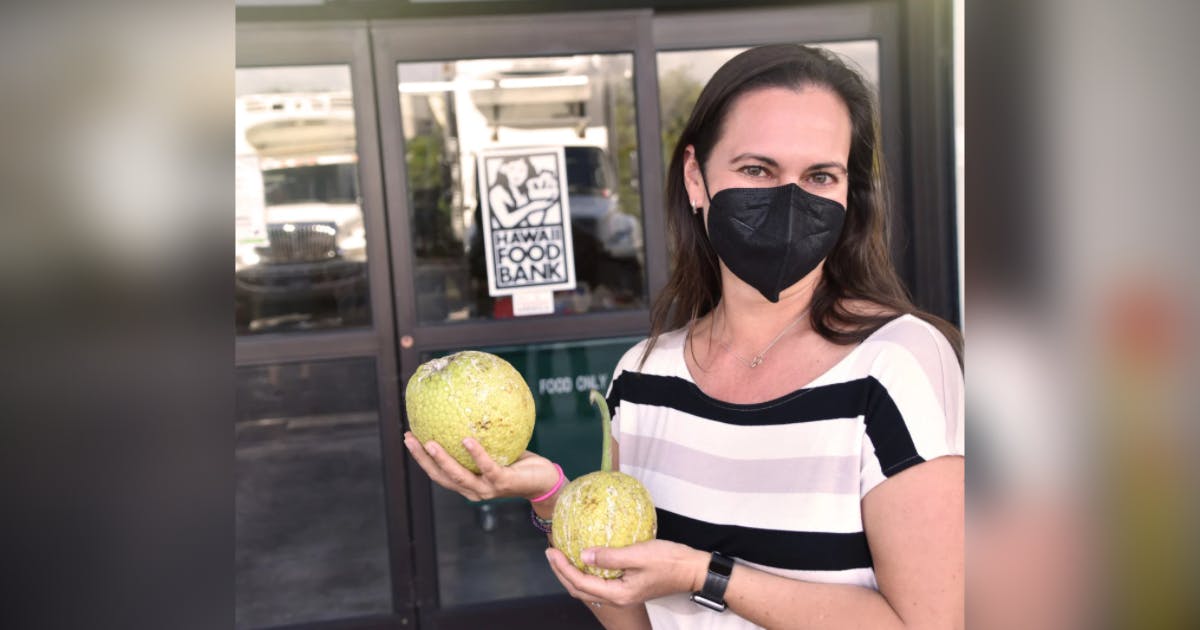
(859, 266)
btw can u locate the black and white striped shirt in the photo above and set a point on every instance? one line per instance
(779, 484)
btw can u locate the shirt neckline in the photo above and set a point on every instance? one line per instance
(686, 373)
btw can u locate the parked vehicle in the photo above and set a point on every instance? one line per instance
(312, 272)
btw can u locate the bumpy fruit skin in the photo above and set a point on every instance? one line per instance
(474, 394)
(602, 509)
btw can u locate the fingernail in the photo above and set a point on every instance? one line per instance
(431, 448)
(549, 556)
(466, 442)
(588, 556)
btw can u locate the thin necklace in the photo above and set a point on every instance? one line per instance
(758, 358)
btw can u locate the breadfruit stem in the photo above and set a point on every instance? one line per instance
(606, 452)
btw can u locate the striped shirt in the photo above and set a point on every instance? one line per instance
(778, 485)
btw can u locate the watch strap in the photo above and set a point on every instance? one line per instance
(712, 594)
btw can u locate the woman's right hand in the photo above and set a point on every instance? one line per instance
(529, 477)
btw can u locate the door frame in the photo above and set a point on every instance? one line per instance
(347, 43)
(417, 40)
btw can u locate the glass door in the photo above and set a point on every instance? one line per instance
(321, 509)
(513, 154)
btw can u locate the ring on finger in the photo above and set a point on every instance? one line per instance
(596, 604)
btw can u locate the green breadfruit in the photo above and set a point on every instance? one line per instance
(473, 394)
(602, 509)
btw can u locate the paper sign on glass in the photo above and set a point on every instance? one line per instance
(526, 220)
(532, 302)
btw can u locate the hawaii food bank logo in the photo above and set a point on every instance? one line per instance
(526, 220)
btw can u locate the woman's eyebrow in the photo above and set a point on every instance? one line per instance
(754, 156)
(773, 163)
(825, 165)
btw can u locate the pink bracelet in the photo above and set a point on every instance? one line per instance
(561, 479)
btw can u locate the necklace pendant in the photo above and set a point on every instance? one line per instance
(758, 359)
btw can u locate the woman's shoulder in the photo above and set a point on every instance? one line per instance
(908, 350)
(910, 332)
(906, 330)
(663, 355)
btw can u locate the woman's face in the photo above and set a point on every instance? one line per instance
(774, 137)
(516, 171)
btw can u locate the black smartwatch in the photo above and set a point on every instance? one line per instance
(712, 595)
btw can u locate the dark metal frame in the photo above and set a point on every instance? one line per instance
(347, 43)
(395, 42)
(929, 118)
(559, 34)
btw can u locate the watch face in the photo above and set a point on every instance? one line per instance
(708, 603)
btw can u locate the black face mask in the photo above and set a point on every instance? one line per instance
(773, 237)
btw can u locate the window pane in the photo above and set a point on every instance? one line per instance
(300, 260)
(454, 112)
(311, 539)
(682, 74)
(489, 550)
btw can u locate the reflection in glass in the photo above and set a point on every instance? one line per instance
(300, 259)
(454, 110)
(311, 541)
(682, 74)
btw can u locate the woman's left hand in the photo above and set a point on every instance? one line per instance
(652, 569)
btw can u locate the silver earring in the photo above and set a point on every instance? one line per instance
(695, 209)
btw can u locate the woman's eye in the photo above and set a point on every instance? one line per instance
(754, 171)
(822, 179)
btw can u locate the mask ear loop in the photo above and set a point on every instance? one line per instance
(703, 181)
(712, 322)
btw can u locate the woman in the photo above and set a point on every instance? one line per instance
(791, 411)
